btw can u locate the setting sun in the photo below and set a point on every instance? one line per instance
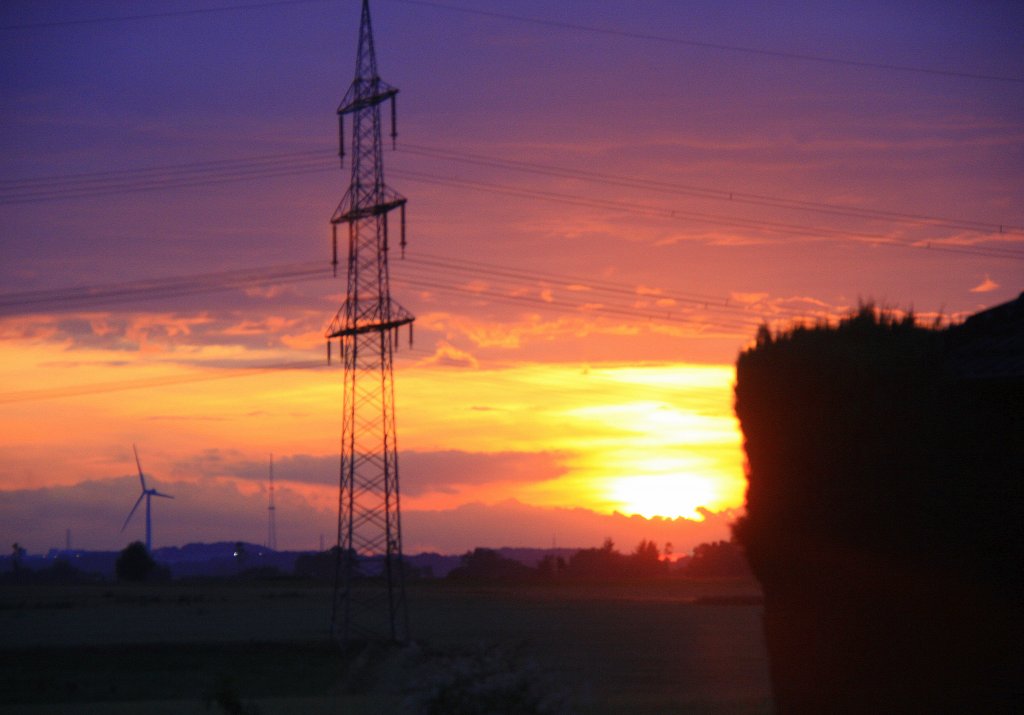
(667, 495)
(654, 440)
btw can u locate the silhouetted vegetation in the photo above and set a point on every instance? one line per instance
(601, 564)
(17, 555)
(135, 564)
(488, 565)
(59, 572)
(718, 559)
(884, 509)
(320, 565)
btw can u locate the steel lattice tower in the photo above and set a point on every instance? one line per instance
(366, 326)
(272, 512)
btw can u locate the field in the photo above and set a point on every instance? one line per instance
(262, 648)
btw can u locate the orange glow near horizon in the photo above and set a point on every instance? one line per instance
(654, 440)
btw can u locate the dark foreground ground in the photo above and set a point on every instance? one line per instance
(250, 648)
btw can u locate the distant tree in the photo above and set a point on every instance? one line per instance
(322, 565)
(240, 555)
(596, 564)
(134, 563)
(718, 559)
(489, 565)
(646, 561)
(17, 554)
(647, 551)
(61, 571)
(551, 566)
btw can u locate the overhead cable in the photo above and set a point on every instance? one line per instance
(755, 51)
(288, 164)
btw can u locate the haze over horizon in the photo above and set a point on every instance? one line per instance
(605, 201)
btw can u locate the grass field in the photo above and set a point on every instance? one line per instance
(246, 648)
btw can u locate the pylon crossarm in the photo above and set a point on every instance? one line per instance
(346, 213)
(377, 319)
(363, 95)
(373, 327)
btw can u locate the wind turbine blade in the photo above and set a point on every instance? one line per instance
(139, 465)
(158, 494)
(141, 497)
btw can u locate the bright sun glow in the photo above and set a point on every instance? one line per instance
(656, 440)
(664, 494)
(653, 440)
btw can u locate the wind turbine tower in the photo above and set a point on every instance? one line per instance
(271, 512)
(146, 494)
(366, 327)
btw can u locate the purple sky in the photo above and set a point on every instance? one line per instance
(720, 164)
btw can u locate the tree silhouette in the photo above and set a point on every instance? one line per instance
(596, 564)
(883, 513)
(551, 566)
(17, 554)
(645, 562)
(323, 565)
(489, 565)
(718, 559)
(134, 563)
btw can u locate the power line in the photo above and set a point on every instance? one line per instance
(437, 269)
(709, 192)
(563, 306)
(95, 388)
(96, 184)
(591, 296)
(779, 228)
(480, 268)
(131, 181)
(80, 297)
(186, 168)
(632, 207)
(803, 57)
(155, 15)
(725, 47)
(738, 325)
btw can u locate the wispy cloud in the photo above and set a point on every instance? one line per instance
(447, 355)
(986, 286)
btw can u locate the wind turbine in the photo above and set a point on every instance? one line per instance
(146, 494)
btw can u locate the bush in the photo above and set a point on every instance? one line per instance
(134, 563)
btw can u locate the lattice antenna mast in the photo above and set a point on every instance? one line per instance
(366, 326)
(272, 512)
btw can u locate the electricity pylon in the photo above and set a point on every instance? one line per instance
(272, 512)
(368, 606)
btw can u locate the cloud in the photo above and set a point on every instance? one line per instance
(209, 511)
(177, 335)
(422, 472)
(447, 355)
(747, 298)
(986, 286)
(212, 511)
(512, 523)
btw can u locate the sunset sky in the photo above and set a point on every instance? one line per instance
(606, 198)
